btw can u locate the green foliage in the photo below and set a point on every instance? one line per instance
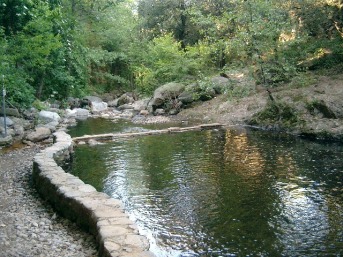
(163, 61)
(202, 89)
(39, 105)
(237, 92)
(18, 92)
(80, 46)
(302, 79)
(14, 15)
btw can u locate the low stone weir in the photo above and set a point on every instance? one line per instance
(94, 211)
(113, 136)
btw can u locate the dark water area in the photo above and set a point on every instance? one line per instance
(225, 192)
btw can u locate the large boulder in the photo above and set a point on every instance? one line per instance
(10, 112)
(25, 124)
(166, 92)
(78, 113)
(219, 84)
(92, 99)
(88, 100)
(51, 125)
(126, 98)
(332, 106)
(95, 103)
(186, 97)
(125, 107)
(141, 104)
(202, 93)
(30, 114)
(113, 103)
(47, 116)
(18, 131)
(39, 134)
(73, 102)
(98, 107)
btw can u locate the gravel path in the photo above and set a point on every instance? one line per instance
(29, 227)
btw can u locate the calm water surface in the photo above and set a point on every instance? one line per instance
(225, 193)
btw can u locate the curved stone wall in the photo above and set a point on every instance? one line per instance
(94, 211)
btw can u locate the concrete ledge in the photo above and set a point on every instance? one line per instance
(113, 136)
(96, 212)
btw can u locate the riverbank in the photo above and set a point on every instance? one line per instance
(29, 226)
(314, 110)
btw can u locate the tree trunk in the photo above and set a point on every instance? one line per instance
(41, 86)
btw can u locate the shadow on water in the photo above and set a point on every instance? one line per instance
(225, 193)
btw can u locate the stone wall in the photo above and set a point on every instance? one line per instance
(96, 212)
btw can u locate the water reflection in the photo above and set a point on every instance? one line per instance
(228, 193)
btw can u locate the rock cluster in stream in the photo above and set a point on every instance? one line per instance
(28, 226)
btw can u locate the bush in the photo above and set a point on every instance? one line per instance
(276, 114)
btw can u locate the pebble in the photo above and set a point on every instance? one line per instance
(28, 225)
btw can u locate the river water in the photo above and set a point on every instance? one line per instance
(235, 192)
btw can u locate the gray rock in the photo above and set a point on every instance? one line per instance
(93, 142)
(127, 114)
(39, 134)
(98, 106)
(186, 97)
(9, 122)
(92, 99)
(159, 111)
(141, 104)
(166, 92)
(82, 113)
(78, 113)
(126, 98)
(219, 84)
(113, 103)
(10, 112)
(51, 125)
(6, 140)
(334, 107)
(207, 94)
(144, 112)
(30, 114)
(73, 102)
(47, 116)
(19, 130)
(174, 111)
(26, 124)
(200, 93)
(125, 107)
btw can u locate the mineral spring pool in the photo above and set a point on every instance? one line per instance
(234, 192)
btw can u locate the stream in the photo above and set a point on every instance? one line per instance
(232, 192)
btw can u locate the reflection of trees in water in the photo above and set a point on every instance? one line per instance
(237, 192)
(309, 218)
